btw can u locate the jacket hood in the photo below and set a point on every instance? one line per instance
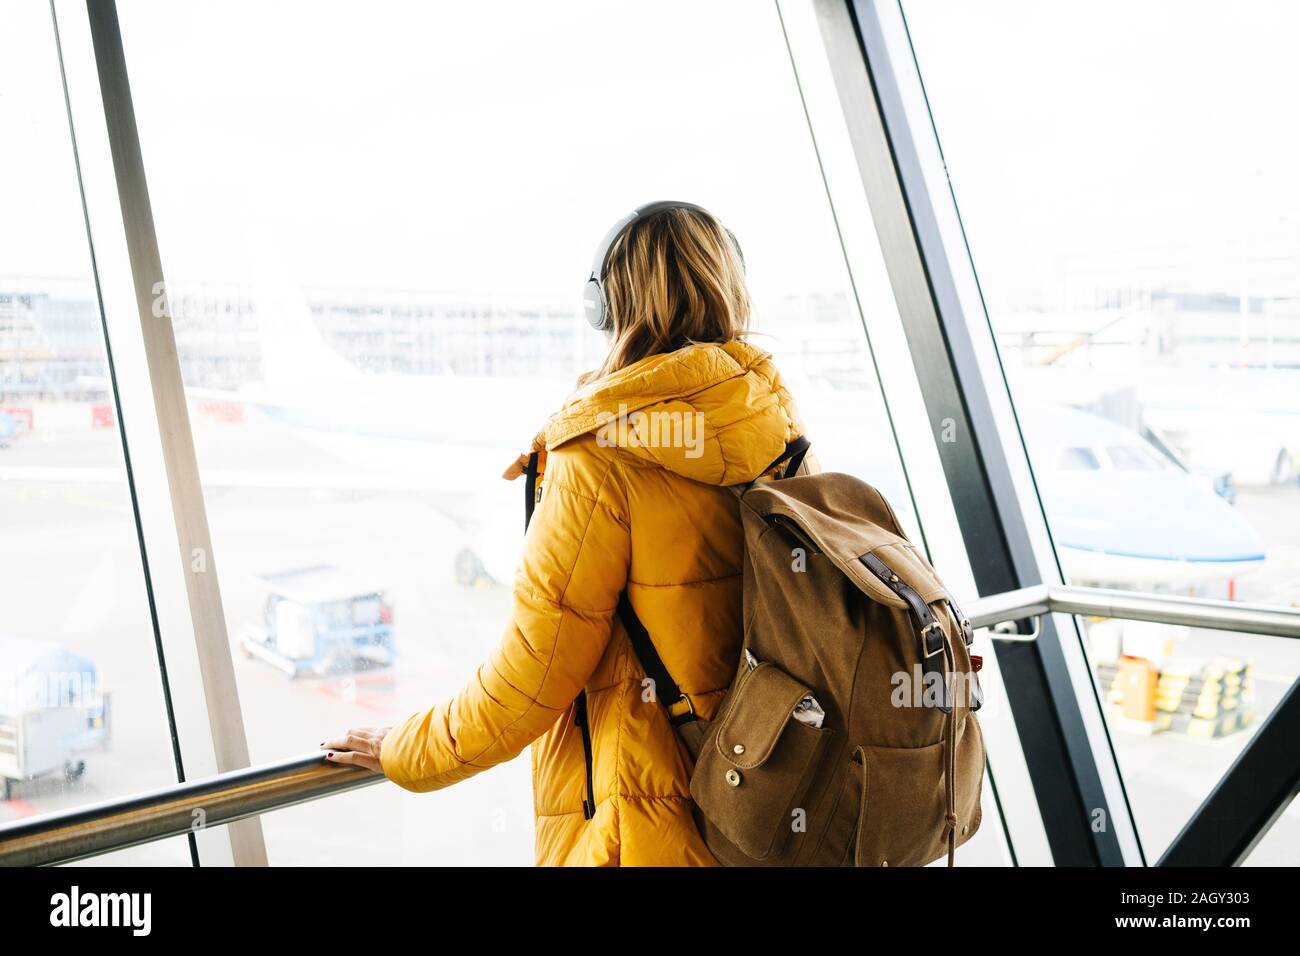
(717, 414)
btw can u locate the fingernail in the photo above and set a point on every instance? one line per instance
(330, 754)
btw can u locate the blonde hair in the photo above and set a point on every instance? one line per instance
(673, 278)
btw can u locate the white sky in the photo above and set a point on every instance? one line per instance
(41, 228)
(483, 148)
(471, 147)
(1161, 135)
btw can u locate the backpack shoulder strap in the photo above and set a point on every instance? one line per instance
(530, 489)
(794, 454)
(666, 689)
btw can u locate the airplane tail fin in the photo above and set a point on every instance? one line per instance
(294, 352)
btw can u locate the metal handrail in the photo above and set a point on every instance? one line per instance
(1041, 599)
(1174, 609)
(93, 829)
(1008, 606)
(96, 828)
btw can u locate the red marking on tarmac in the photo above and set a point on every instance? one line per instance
(366, 701)
(21, 808)
(386, 679)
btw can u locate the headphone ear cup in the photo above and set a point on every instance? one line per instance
(595, 306)
(740, 254)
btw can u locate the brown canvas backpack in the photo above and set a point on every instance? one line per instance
(848, 736)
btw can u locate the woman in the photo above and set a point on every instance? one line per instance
(636, 469)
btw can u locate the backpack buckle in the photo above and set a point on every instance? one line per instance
(926, 653)
(677, 717)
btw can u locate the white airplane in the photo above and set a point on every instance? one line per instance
(1222, 417)
(1124, 513)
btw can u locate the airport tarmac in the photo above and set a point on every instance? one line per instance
(70, 572)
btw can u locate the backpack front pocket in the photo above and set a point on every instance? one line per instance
(757, 762)
(839, 837)
(904, 804)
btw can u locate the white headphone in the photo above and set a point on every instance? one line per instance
(594, 301)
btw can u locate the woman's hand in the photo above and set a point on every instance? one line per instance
(358, 747)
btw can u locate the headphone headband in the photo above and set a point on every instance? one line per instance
(595, 304)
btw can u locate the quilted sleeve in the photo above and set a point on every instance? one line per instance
(566, 591)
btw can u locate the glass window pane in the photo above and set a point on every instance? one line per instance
(1136, 458)
(1133, 214)
(82, 716)
(1077, 459)
(375, 243)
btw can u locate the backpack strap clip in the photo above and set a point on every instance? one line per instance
(967, 632)
(665, 688)
(931, 643)
(677, 714)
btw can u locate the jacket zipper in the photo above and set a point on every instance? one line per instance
(581, 722)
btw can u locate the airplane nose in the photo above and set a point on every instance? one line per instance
(1157, 517)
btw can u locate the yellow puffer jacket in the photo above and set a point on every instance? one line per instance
(642, 506)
